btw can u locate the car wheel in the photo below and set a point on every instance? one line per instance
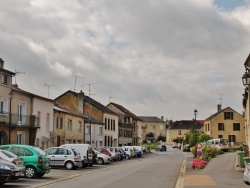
(69, 165)
(30, 172)
(40, 174)
(100, 161)
(128, 157)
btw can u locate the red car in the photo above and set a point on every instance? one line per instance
(104, 151)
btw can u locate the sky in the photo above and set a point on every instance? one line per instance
(154, 57)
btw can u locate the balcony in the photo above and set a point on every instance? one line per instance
(19, 120)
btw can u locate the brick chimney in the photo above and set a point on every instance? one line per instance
(219, 107)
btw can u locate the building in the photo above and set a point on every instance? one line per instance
(226, 123)
(178, 130)
(153, 128)
(129, 125)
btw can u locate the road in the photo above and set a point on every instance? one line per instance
(156, 169)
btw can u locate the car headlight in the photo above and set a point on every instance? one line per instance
(2, 166)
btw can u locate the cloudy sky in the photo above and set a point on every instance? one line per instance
(154, 57)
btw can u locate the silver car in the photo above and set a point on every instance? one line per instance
(65, 157)
(102, 158)
(11, 157)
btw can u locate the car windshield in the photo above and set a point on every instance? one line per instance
(97, 152)
(223, 141)
(41, 152)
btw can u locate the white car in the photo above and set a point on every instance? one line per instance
(247, 174)
(11, 157)
(102, 158)
(66, 157)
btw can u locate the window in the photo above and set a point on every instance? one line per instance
(61, 123)
(88, 129)
(17, 150)
(79, 126)
(28, 152)
(105, 123)
(236, 127)
(47, 121)
(108, 124)
(4, 79)
(154, 126)
(69, 125)
(20, 137)
(3, 105)
(220, 126)
(114, 125)
(38, 118)
(161, 127)
(220, 136)
(100, 131)
(228, 115)
(120, 132)
(21, 113)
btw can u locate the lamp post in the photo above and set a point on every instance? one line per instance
(195, 136)
(10, 97)
(246, 79)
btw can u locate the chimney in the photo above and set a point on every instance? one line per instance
(1, 63)
(80, 101)
(219, 107)
(162, 118)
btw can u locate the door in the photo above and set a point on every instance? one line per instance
(21, 113)
(61, 155)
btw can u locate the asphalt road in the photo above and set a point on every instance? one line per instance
(156, 169)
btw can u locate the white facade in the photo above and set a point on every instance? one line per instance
(111, 132)
(43, 109)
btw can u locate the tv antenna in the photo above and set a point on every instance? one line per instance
(89, 87)
(48, 85)
(75, 80)
(111, 98)
(18, 72)
(221, 98)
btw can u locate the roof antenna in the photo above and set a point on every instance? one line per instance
(221, 98)
(48, 85)
(75, 81)
(17, 72)
(110, 98)
(89, 88)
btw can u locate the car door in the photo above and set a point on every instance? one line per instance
(51, 153)
(61, 155)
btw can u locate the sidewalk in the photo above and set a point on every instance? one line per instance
(220, 172)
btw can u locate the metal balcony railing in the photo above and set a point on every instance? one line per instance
(19, 120)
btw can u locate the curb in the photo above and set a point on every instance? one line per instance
(180, 181)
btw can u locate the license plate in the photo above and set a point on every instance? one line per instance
(17, 174)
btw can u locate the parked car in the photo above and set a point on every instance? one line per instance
(130, 152)
(138, 153)
(186, 148)
(175, 145)
(219, 143)
(65, 157)
(101, 158)
(122, 153)
(11, 157)
(35, 160)
(115, 153)
(85, 151)
(139, 148)
(8, 171)
(161, 148)
(105, 151)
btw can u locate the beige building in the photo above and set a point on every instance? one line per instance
(153, 127)
(68, 126)
(178, 130)
(226, 123)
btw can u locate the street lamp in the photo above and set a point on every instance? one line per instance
(246, 79)
(10, 97)
(195, 126)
